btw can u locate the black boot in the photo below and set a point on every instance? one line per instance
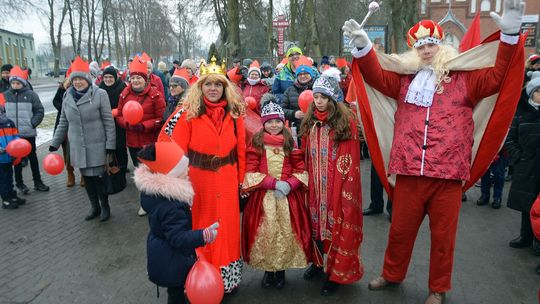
(312, 272)
(483, 200)
(40, 186)
(520, 242)
(329, 288)
(279, 279)
(105, 211)
(268, 279)
(104, 199)
(92, 192)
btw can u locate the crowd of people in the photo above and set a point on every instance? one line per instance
(284, 192)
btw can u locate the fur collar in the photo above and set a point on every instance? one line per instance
(174, 188)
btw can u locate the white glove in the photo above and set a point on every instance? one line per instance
(356, 34)
(210, 233)
(283, 187)
(512, 15)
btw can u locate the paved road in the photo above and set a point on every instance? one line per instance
(46, 88)
(49, 254)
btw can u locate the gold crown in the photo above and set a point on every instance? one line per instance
(212, 68)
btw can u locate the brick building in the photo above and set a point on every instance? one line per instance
(455, 16)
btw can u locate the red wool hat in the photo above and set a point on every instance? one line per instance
(424, 32)
(19, 75)
(80, 68)
(341, 62)
(170, 159)
(139, 67)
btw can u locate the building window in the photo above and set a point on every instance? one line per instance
(31, 45)
(498, 6)
(485, 6)
(423, 6)
(33, 66)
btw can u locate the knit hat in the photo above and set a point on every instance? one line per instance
(180, 77)
(110, 70)
(6, 67)
(271, 109)
(424, 32)
(80, 68)
(139, 67)
(165, 158)
(266, 66)
(328, 84)
(293, 50)
(94, 69)
(189, 64)
(254, 67)
(325, 60)
(534, 59)
(534, 84)
(247, 62)
(19, 75)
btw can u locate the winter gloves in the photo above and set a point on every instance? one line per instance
(282, 189)
(356, 34)
(210, 233)
(136, 128)
(510, 21)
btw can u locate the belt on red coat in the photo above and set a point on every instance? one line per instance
(211, 162)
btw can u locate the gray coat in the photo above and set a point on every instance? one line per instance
(25, 109)
(89, 126)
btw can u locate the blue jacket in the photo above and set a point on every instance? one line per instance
(8, 132)
(171, 241)
(284, 79)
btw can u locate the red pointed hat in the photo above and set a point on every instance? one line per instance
(234, 76)
(341, 62)
(170, 159)
(17, 72)
(303, 60)
(139, 67)
(424, 32)
(180, 75)
(146, 57)
(105, 64)
(80, 68)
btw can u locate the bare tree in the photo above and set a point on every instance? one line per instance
(55, 30)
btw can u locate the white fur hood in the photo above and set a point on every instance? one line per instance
(174, 188)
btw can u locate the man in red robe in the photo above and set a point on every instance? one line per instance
(434, 137)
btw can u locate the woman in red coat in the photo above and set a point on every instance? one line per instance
(254, 87)
(153, 104)
(210, 128)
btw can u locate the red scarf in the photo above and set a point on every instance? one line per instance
(216, 112)
(321, 116)
(273, 140)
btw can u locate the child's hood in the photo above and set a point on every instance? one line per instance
(173, 188)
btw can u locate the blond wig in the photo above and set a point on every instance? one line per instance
(411, 61)
(194, 104)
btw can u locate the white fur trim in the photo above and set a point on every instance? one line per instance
(510, 39)
(177, 188)
(426, 40)
(363, 52)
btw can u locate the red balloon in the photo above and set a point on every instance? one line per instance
(19, 148)
(114, 112)
(53, 164)
(305, 99)
(204, 284)
(251, 102)
(133, 112)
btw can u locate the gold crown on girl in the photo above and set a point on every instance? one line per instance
(212, 68)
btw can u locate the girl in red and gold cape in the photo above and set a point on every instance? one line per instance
(417, 113)
(332, 148)
(210, 128)
(275, 226)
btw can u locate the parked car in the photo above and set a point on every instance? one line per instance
(61, 72)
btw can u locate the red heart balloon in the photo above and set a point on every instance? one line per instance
(305, 99)
(132, 112)
(19, 148)
(251, 102)
(53, 164)
(204, 284)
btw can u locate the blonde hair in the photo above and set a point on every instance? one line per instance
(194, 104)
(412, 62)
